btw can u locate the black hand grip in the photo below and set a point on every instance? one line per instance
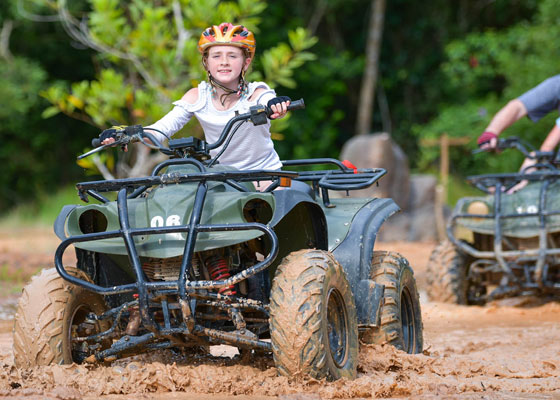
(296, 105)
(133, 130)
(96, 142)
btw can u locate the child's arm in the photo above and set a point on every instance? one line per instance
(175, 119)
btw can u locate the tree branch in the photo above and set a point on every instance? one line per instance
(367, 94)
(102, 168)
(182, 34)
(317, 16)
(79, 31)
(7, 28)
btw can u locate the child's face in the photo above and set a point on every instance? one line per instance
(225, 63)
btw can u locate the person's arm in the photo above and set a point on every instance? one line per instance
(552, 139)
(549, 143)
(175, 119)
(278, 104)
(507, 116)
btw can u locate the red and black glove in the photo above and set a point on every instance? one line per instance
(486, 137)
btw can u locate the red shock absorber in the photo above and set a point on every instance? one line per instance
(219, 270)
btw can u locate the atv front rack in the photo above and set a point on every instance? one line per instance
(188, 292)
(507, 259)
(341, 179)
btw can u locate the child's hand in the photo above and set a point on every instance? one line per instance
(279, 106)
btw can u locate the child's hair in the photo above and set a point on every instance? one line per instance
(229, 35)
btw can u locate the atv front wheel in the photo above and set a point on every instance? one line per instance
(50, 312)
(447, 274)
(313, 323)
(400, 315)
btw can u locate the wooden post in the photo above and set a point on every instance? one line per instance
(444, 142)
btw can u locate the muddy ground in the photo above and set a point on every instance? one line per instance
(507, 350)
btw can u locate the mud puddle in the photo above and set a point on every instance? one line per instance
(501, 351)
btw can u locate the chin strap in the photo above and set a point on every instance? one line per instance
(242, 88)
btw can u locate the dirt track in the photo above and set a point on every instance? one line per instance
(494, 352)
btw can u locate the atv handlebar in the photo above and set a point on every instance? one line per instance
(258, 115)
(525, 148)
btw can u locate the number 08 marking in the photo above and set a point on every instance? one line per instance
(172, 220)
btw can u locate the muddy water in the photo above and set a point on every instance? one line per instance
(492, 352)
(507, 350)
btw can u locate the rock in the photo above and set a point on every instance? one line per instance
(415, 195)
(380, 151)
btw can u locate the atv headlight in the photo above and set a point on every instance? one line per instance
(92, 221)
(478, 208)
(257, 210)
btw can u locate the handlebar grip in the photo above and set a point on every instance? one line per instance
(96, 142)
(296, 105)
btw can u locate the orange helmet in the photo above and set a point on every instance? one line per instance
(227, 34)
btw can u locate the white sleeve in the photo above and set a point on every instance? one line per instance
(173, 121)
(266, 96)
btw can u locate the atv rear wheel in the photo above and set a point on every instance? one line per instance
(400, 315)
(50, 312)
(447, 274)
(313, 323)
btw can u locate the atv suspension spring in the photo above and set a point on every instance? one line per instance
(219, 270)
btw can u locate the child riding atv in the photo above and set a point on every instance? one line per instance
(193, 255)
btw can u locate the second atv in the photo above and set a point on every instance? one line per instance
(502, 245)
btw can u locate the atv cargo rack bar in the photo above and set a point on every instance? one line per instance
(233, 178)
(501, 183)
(342, 179)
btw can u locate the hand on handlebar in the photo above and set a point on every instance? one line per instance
(121, 134)
(278, 106)
(524, 169)
(488, 141)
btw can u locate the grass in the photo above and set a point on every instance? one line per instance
(41, 212)
(13, 279)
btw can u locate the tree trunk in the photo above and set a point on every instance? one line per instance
(375, 31)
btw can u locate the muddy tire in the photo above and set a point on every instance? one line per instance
(49, 310)
(400, 315)
(447, 274)
(313, 323)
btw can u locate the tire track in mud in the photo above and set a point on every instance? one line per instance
(470, 351)
(492, 352)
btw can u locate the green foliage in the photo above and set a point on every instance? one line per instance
(20, 82)
(280, 62)
(145, 66)
(486, 70)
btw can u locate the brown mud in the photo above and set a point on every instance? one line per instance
(506, 350)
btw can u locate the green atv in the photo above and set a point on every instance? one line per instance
(194, 256)
(502, 245)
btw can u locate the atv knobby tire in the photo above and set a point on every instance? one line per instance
(447, 274)
(400, 316)
(46, 312)
(313, 322)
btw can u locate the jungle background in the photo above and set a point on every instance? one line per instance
(72, 68)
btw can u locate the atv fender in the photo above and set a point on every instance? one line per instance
(355, 254)
(60, 221)
(299, 223)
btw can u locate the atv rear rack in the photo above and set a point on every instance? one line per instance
(342, 179)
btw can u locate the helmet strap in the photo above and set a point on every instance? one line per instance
(241, 92)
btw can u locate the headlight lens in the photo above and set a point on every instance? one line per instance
(478, 208)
